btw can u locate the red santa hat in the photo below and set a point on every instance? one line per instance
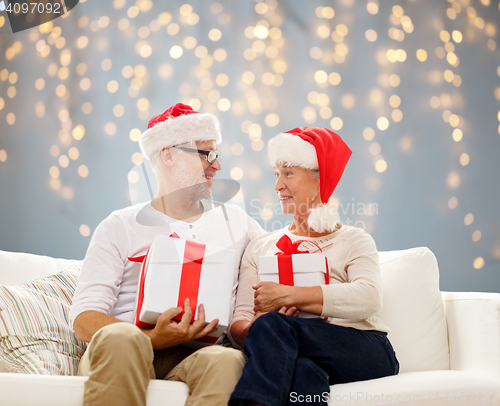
(314, 148)
(178, 125)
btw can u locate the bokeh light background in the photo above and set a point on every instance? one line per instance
(412, 86)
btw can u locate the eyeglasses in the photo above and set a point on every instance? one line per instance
(211, 156)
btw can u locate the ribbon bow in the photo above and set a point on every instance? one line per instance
(287, 247)
(285, 266)
(141, 258)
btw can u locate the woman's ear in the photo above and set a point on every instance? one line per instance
(316, 180)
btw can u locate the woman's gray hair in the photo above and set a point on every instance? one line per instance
(314, 173)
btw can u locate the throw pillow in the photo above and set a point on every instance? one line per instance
(414, 310)
(35, 334)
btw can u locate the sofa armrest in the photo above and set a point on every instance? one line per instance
(474, 331)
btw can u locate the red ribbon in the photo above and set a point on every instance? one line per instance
(285, 267)
(190, 276)
(207, 339)
(142, 259)
(140, 299)
(288, 247)
(189, 284)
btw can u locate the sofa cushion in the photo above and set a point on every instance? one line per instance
(473, 321)
(436, 388)
(413, 309)
(42, 390)
(17, 267)
(35, 336)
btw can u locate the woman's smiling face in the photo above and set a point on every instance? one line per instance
(297, 188)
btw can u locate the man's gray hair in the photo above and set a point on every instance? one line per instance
(154, 161)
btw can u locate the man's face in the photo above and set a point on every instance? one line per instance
(194, 172)
(209, 169)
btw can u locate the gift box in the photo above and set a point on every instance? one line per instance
(294, 267)
(176, 269)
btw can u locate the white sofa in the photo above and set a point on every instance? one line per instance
(448, 344)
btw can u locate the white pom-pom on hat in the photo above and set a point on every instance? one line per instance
(324, 217)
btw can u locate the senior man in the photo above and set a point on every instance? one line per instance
(181, 145)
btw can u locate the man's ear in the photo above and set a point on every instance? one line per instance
(166, 157)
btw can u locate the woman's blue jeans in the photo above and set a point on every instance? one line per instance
(293, 361)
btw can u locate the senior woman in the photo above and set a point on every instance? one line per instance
(294, 360)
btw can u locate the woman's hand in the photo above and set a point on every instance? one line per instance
(247, 326)
(292, 311)
(240, 328)
(271, 297)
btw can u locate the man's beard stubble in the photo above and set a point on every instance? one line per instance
(190, 182)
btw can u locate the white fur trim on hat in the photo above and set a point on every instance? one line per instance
(180, 130)
(324, 217)
(292, 150)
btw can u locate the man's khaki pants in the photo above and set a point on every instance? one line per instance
(120, 361)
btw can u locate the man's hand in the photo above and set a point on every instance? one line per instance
(169, 333)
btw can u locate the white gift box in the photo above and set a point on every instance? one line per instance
(308, 270)
(161, 275)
